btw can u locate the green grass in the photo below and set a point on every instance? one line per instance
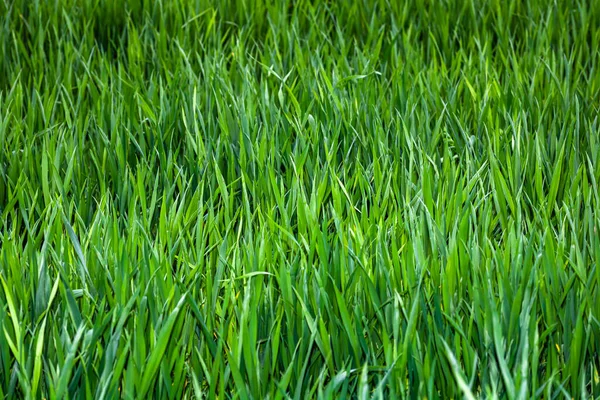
(299, 199)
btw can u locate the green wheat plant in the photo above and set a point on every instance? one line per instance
(278, 199)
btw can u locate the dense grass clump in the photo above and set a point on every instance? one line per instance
(299, 199)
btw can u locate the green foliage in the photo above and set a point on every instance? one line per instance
(299, 199)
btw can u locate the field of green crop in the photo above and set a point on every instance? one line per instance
(278, 199)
